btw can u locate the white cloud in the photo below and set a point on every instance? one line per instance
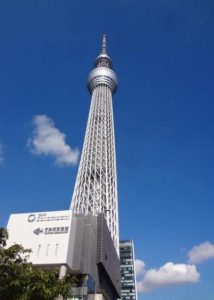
(48, 140)
(201, 253)
(1, 153)
(168, 275)
(139, 267)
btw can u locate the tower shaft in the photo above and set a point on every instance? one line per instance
(95, 189)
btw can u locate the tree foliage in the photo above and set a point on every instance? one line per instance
(21, 280)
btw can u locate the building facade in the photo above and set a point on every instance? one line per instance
(127, 270)
(80, 245)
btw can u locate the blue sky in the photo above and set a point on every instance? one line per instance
(163, 55)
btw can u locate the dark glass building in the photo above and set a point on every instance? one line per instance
(127, 269)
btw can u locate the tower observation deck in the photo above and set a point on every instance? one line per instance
(95, 189)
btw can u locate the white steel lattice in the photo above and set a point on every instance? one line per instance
(96, 184)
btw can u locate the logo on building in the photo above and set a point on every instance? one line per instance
(31, 218)
(37, 231)
(44, 217)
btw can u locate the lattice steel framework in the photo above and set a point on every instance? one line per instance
(95, 189)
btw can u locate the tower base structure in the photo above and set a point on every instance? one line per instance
(77, 244)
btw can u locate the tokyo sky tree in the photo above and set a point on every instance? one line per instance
(95, 189)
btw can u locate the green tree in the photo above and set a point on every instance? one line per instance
(21, 280)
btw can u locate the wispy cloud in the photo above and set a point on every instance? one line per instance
(1, 153)
(48, 140)
(169, 274)
(139, 267)
(201, 253)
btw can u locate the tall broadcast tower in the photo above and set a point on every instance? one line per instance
(95, 189)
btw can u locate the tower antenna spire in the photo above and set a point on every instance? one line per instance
(104, 44)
